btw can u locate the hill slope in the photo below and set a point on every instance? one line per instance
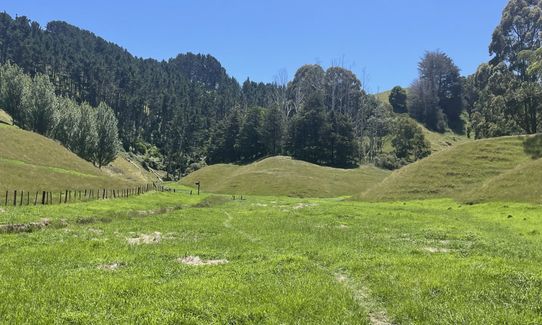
(29, 161)
(456, 172)
(285, 176)
(461, 172)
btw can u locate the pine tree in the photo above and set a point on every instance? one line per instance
(272, 131)
(250, 143)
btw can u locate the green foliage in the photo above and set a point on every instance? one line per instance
(250, 142)
(436, 98)
(398, 99)
(514, 44)
(273, 131)
(90, 133)
(107, 136)
(309, 132)
(409, 141)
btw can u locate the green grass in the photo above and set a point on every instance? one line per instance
(285, 176)
(302, 261)
(31, 162)
(458, 173)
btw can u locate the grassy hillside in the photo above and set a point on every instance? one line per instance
(520, 184)
(5, 118)
(29, 161)
(457, 173)
(285, 176)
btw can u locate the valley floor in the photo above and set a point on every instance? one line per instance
(177, 258)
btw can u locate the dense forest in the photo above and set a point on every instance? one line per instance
(187, 111)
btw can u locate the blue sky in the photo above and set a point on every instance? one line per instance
(380, 40)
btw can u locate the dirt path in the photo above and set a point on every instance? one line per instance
(376, 314)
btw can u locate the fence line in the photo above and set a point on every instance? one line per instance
(24, 198)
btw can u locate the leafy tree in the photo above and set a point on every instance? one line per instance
(342, 90)
(107, 136)
(398, 99)
(88, 133)
(14, 93)
(307, 83)
(42, 105)
(250, 142)
(519, 33)
(408, 141)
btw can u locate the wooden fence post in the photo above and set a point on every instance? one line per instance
(66, 197)
(43, 198)
(36, 198)
(15, 198)
(7, 194)
(27, 198)
(22, 196)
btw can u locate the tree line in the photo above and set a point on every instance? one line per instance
(90, 132)
(187, 110)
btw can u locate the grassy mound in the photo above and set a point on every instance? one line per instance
(521, 184)
(285, 176)
(30, 162)
(459, 173)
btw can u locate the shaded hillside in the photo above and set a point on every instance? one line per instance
(456, 172)
(285, 176)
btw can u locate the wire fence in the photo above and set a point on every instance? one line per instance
(16, 198)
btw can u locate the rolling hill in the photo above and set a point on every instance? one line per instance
(473, 171)
(285, 176)
(31, 162)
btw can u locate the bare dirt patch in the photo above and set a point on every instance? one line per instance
(377, 315)
(436, 250)
(110, 267)
(303, 205)
(146, 239)
(196, 261)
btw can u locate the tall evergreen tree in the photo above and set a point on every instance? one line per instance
(250, 144)
(273, 131)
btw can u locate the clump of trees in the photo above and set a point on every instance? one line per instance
(436, 97)
(505, 95)
(89, 132)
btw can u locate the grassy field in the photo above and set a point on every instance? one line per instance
(285, 176)
(176, 258)
(472, 171)
(31, 162)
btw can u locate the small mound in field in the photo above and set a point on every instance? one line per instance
(24, 227)
(2, 210)
(110, 267)
(196, 261)
(153, 238)
(284, 176)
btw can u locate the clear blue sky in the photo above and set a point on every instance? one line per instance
(381, 39)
